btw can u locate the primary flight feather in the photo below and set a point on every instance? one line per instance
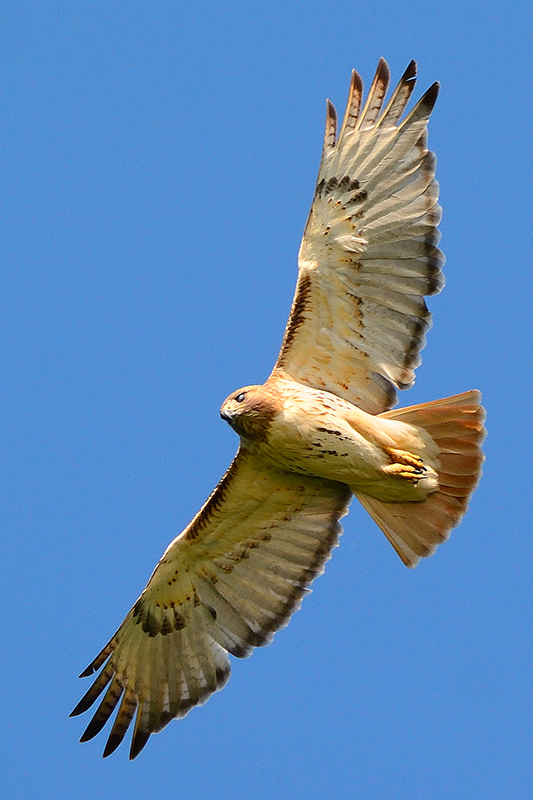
(319, 430)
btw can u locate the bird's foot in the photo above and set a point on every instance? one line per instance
(405, 465)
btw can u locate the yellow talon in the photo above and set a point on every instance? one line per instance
(404, 457)
(405, 465)
(405, 471)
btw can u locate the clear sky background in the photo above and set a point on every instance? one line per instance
(158, 162)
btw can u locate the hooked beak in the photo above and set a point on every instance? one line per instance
(226, 415)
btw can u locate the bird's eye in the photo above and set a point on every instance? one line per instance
(240, 397)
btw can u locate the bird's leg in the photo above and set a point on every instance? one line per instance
(405, 465)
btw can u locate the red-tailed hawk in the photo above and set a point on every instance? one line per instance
(319, 430)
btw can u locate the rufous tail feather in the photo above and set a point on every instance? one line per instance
(456, 425)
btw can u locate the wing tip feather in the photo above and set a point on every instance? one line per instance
(410, 71)
(353, 105)
(429, 98)
(383, 70)
(330, 133)
(138, 742)
(112, 744)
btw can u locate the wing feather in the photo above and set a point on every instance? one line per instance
(225, 585)
(400, 96)
(122, 722)
(353, 106)
(376, 96)
(369, 253)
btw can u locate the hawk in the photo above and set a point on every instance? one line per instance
(318, 431)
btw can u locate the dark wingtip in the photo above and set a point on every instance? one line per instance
(94, 727)
(102, 656)
(86, 702)
(331, 111)
(411, 71)
(429, 99)
(112, 744)
(138, 742)
(383, 70)
(357, 81)
(330, 134)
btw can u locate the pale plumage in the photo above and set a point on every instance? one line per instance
(318, 431)
(231, 579)
(369, 252)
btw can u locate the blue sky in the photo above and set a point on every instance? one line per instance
(157, 165)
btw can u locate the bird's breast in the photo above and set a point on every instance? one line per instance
(314, 436)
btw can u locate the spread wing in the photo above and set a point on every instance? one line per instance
(369, 251)
(225, 585)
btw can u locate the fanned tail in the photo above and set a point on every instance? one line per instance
(456, 425)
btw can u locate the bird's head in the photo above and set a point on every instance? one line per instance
(250, 411)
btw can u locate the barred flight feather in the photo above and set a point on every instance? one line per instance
(376, 95)
(400, 97)
(234, 583)
(377, 198)
(353, 105)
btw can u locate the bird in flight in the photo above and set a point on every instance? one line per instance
(318, 431)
